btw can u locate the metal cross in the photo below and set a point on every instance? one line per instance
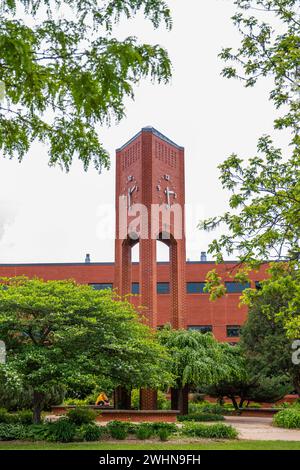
(169, 193)
(130, 192)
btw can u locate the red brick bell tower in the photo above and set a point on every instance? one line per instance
(150, 199)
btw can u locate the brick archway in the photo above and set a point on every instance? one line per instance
(150, 172)
(177, 279)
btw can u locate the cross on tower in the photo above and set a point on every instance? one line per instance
(150, 172)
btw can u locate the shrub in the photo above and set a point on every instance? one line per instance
(144, 431)
(158, 426)
(132, 427)
(213, 408)
(81, 416)
(63, 430)
(75, 402)
(288, 418)
(201, 417)
(90, 432)
(198, 397)
(22, 417)
(12, 432)
(4, 416)
(213, 431)
(283, 405)
(163, 434)
(118, 430)
(228, 407)
(253, 405)
(162, 401)
(135, 399)
(206, 407)
(39, 432)
(25, 417)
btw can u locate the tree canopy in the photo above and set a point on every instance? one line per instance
(58, 333)
(245, 381)
(197, 359)
(63, 73)
(277, 307)
(263, 219)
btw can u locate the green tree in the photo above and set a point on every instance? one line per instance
(263, 220)
(18, 398)
(65, 73)
(273, 323)
(247, 381)
(250, 388)
(58, 333)
(198, 360)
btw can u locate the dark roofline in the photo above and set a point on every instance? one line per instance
(55, 264)
(109, 263)
(155, 132)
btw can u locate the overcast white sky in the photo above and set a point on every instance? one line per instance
(50, 216)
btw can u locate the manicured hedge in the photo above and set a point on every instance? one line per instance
(288, 418)
(213, 431)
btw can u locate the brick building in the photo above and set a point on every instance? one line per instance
(150, 172)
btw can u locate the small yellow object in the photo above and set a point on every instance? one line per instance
(101, 397)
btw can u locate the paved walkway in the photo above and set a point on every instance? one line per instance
(261, 429)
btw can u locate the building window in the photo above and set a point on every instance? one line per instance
(233, 331)
(163, 288)
(195, 287)
(236, 287)
(102, 286)
(201, 328)
(135, 288)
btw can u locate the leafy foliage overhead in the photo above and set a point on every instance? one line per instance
(65, 73)
(263, 219)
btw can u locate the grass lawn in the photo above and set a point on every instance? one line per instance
(200, 445)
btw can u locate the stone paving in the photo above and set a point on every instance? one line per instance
(261, 429)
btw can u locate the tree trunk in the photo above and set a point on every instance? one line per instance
(220, 401)
(234, 402)
(296, 383)
(174, 398)
(38, 398)
(242, 401)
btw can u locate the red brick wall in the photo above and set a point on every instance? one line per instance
(148, 157)
(200, 311)
(143, 164)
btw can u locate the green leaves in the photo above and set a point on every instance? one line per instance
(59, 333)
(66, 77)
(266, 52)
(263, 221)
(197, 359)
